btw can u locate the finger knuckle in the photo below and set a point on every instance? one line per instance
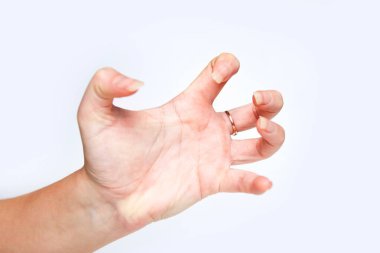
(103, 74)
(281, 136)
(265, 154)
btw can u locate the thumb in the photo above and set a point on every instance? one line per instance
(105, 85)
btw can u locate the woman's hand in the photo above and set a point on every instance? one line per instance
(142, 166)
(154, 163)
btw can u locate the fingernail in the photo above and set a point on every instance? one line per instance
(266, 125)
(119, 81)
(220, 73)
(130, 84)
(223, 67)
(135, 85)
(258, 98)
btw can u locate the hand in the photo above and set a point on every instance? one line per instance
(155, 163)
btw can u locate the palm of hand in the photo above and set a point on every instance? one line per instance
(168, 156)
(160, 161)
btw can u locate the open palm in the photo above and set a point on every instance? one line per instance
(157, 162)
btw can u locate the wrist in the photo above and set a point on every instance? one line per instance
(101, 209)
(105, 207)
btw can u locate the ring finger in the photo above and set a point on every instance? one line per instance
(264, 103)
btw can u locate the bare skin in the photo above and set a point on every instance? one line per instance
(143, 166)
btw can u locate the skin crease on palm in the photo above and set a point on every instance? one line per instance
(154, 163)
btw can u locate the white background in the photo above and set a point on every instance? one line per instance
(323, 56)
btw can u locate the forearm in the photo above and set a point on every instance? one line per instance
(67, 216)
